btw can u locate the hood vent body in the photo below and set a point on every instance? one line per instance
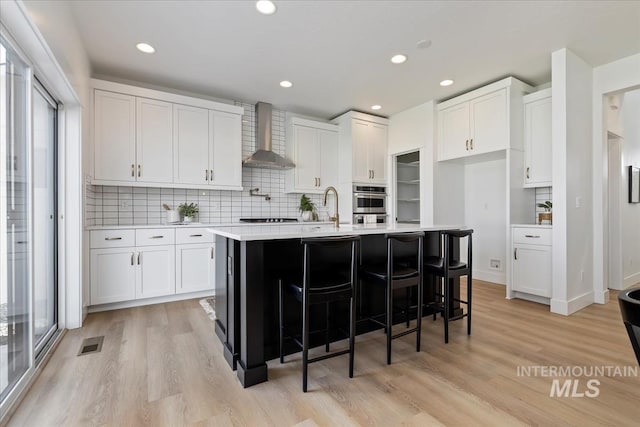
(264, 157)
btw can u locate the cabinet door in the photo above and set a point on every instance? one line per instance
(532, 269)
(489, 127)
(156, 271)
(114, 136)
(537, 143)
(154, 142)
(453, 125)
(328, 145)
(378, 153)
(195, 268)
(360, 140)
(226, 155)
(113, 275)
(307, 160)
(191, 145)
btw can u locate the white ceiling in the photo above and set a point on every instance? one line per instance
(337, 52)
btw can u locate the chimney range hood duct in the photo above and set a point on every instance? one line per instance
(264, 157)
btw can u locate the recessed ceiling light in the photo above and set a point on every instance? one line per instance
(399, 58)
(446, 82)
(145, 47)
(376, 107)
(266, 7)
(286, 83)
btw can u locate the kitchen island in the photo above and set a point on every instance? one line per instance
(250, 261)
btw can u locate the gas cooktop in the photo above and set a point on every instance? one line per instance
(258, 220)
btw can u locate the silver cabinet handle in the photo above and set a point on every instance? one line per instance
(528, 168)
(139, 171)
(515, 254)
(113, 238)
(211, 253)
(531, 236)
(318, 182)
(132, 254)
(206, 174)
(471, 143)
(466, 144)
(230, 266)
(133, 170)
(373, 173)
(196, 235)
(211, 175)
(139, 254)
(156, 237)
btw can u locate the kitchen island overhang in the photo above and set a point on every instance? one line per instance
(248, 265)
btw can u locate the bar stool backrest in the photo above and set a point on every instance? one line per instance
(629, 301)
(339, 255)
(404, 239)
(449, 237)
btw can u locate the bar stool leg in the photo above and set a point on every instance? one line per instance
(281, 319)
(326, 332)
(446, 308)
(407, 305)
(469, 286)
(419, 314)
(305, 343)
(352, 334)
(389, 302)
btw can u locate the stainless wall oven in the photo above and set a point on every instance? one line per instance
(360, 219)
(369, 199)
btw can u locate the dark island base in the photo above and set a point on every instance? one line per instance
(247, 274)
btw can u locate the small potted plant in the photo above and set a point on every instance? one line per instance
(307, 208)
(188, 211)
(547, 214)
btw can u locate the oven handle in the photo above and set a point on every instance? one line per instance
(378, 195)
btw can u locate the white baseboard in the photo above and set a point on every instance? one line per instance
(567, 308)
(530, 297)
(150, 301)
(631, 280)
(601, 297)
(490, 276)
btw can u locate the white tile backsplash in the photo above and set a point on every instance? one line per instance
(109, 205)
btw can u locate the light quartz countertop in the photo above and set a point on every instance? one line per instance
(303, 230)
(531, 226)
(203, 225)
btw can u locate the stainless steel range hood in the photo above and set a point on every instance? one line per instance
(264, 157)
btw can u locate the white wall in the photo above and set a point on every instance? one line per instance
(620, 75)
(485, 201)
(630, 212)
(411, 130)
(56, 25)
(572, 181)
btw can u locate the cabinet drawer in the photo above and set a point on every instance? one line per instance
(532, 236)
(155, 236)
(193, 235)
(112, 238)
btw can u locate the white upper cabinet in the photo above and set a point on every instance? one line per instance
(454, 131)
(537, 139)
(114, 128)
(154, 140)
(363, 148)
(144, 137)
(478, 122)
(488, 123)
(313, 146)
(226, 150)
(191, 145)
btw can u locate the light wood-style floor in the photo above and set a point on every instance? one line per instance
(162, 366)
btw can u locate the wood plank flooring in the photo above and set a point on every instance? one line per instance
(162, 365)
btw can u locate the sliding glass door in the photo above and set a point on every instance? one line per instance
(45, 289)
(15, 208)
(28, 213)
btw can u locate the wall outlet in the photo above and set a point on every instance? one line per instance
(494, 264)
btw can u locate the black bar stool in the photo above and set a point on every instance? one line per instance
(331, 278)
(629, 301)
(399, 273)
(445, 267)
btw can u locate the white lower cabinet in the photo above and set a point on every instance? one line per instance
(113, 275)
(155, 271)
(153, 266)
(531, 261)
(195, 267)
